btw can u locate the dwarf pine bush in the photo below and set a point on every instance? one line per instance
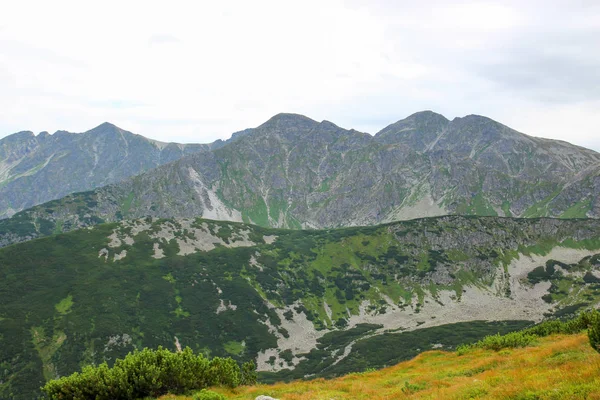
(594, 332)
(205, 394)
(572, 326)
(586, 320)
(249, 375)
(150, 373)
(510, 340)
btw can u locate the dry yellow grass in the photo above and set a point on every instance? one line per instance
(558, 367)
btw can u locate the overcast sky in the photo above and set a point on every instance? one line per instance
(195, 71)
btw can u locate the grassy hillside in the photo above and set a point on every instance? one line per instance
(556, 367)
(316, 303)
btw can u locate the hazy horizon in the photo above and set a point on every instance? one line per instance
(194, 72)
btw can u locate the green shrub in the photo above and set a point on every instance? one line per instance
(150, 373)
(498, 342)
(510, 340)
(249, 375)
(594, 332)
(223, 372)
(585, 320)
(572, 326)
(205, 394)
(410, 388)
(463, 349)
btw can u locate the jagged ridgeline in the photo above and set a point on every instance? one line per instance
(299, 303)
(35, 169)
(293, 172)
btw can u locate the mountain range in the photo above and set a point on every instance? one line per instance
(293, 172)
(311, 249)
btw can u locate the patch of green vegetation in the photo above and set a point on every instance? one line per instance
(410, 388)
(541, 248)
(292, 222)
(126, 205)
(64, 306)
(46, 347)
(58, 228)
(45, 226)
(169, 278)
(457, 255)
(480, 206)
(506, 208)
(234, 348)
(540, 209)
(277, 206)
(257, 214)
(325, 186)
(588, 244)
(578, 210)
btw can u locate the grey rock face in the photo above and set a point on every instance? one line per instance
(36, 169)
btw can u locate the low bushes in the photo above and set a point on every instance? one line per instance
(594, 332)
(572, 326)
(510, 340)
(208, 395)
(587, 320)
(150, 373)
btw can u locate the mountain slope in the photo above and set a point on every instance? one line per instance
(36, 169)
(298, 302)
(294, 172)
(557, 367)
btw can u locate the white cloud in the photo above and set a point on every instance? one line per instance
(194, 71)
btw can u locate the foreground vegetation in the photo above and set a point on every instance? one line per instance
(556, 367)
(150, 373)
(586, 321)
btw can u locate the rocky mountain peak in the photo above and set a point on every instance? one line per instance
(475, 119)
(328, 124)
(19, 136)
(288, 121)
(477, 127)
(418, 130)
(426, 115)
(105, 128)
(239, 134)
